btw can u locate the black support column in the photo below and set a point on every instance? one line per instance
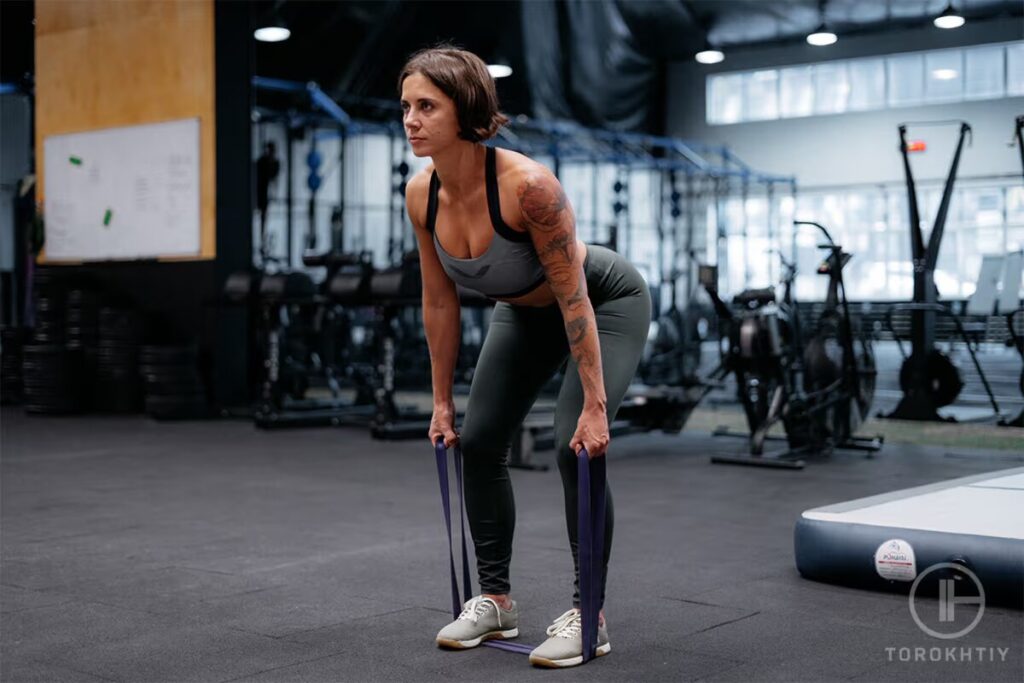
(233, 54)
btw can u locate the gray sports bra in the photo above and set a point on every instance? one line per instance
(509, 268)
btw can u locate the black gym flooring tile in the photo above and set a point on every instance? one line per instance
(137, 551)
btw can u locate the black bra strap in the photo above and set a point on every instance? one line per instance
(494, 202)
(432, 202)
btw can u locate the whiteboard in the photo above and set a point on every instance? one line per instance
(123, 193)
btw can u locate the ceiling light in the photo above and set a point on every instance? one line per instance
(821, 37)
(944, 74)
(709, 56)
(272, 31)
(949, 18)
(499, 70)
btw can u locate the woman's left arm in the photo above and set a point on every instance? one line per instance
(551, 224)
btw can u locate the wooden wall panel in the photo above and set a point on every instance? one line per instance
(106, 63)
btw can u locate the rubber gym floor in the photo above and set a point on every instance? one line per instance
(134, 550)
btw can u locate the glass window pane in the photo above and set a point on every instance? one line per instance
(797, 92)
(757, 216)
(831, 88)
(944, 76)
(867, 84)
(1014, 239)
(906, 80)
(983, 206)
(984, 73)
(762, 95)
(725, 98)
(733, 215)
(1015, 205)
(1015, 69)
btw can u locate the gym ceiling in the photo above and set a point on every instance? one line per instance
(357, 47)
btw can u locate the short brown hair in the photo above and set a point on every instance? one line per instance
(463, 77)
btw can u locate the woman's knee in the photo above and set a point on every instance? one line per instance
(480, 449)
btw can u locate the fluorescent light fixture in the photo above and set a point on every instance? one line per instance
(949, 18)
(499, 70)
(272, 34)
(821, 37)
(944, 74)
(709, 56)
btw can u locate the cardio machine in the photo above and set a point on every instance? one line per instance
(820, 387)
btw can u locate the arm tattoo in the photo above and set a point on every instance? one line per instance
(547, 212)
(577, 329)
(542, 205)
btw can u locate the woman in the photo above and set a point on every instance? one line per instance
(498, 222)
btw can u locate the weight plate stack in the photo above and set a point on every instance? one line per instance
(173, 388)
(118, 387)
(48, 307)
(81, 319)
(12, 340)
(51, 379)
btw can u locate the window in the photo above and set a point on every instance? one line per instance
(985, 76)
(797, 92)
(831, 88)
(835, 87)
(725, 98)
(1015, 69)
(762, 95)
(944, 76)
(906, 80)
(867, 84)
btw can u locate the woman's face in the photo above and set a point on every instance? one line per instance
(429, 116)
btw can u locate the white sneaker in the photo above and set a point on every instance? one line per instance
(481, 619)
(564, 647)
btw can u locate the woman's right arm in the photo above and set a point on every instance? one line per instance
(441, 314)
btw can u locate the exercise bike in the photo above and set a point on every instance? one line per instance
(820, 389)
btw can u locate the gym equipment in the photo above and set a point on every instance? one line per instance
(174, 389)
(118, 387)
(305, 336)
(928, 378)
(267, 169)
(391, 290)
(1015, 323)
(983, 301)
(974, 522)
(592, 477)
(1015, 318)
(12, 339)
(820, 389)
(51, 379)
(942, 376)
(673, 354)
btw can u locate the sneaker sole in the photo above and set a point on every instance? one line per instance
(466, 644)
(572, 661)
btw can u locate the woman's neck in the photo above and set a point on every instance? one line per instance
(460, 168)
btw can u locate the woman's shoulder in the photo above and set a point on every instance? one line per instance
(417, 188)
(513, 168)
(419, 184)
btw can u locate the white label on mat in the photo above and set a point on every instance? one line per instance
(894, 560)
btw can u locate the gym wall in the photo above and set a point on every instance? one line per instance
(861, 147)
(106, 63)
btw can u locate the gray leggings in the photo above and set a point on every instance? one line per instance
(524, 347)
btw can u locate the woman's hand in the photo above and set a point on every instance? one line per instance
(442, 425)
(591, 433)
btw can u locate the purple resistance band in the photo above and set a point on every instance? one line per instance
(592, 478)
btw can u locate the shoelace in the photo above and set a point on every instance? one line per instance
(476, 607)
(567, 626)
